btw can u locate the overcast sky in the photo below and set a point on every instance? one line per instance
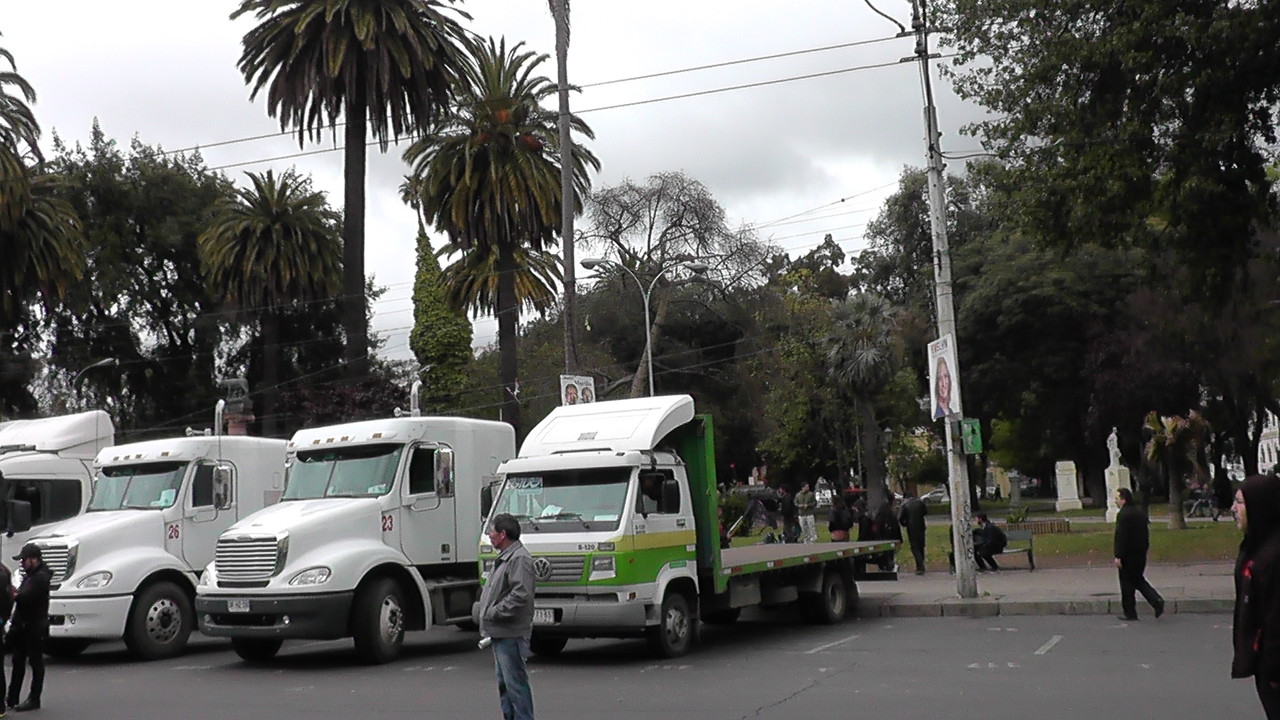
(165, 71)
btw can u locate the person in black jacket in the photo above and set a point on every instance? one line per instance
(840, 521)
(988, 541)
(911, 517)
(1130, 550)
(29, 628)
(1256, 628)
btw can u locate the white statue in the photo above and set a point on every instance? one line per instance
(1113, 447)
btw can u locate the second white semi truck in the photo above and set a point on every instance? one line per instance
(375, 536)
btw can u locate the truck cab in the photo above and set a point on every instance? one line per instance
(128, 567)
(375, 535)
(611, 520)
(48, 464)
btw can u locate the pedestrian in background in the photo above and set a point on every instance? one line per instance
(911, 517)
(1256, 629)
(30, 627)
(6, 609)
(885, 527)
(790, 515)
(841, 521)
(506, 616)
(1130, 549)
(988, 541)
(806, 503)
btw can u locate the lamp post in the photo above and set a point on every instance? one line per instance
(691, 265)
(106, 362)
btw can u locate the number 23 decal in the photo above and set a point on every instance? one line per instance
(173, 532)
(388, 523)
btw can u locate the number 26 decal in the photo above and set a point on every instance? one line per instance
(173, 532)
(388, 523)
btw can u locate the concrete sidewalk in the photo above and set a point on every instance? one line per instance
(1204, 587)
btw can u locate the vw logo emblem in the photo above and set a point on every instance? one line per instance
(542, 568)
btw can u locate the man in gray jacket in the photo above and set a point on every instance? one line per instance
(506, 616)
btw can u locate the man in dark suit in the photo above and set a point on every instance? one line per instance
(30, 626)
(911, 518)
(1131, 542)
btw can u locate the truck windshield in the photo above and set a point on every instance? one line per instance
(361, 471)
(566, 500)
(137, 487)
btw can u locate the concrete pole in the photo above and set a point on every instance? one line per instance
(961, 509)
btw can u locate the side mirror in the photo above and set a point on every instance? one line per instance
(17, 515)
(670, 496)
(486, 500)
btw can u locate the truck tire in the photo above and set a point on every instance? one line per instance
(673, 634)
(547, 646)
(64, 647)
(831, 604)
(160, 622)
(255, 650)
(377, 621)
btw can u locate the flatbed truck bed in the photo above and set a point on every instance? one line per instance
(774, 556)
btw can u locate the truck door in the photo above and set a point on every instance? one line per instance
(663, 520)
(426, 515)
(209, 509)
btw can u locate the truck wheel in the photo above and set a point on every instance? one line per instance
(64, 647)
(673, 634)
(722, 617)
(377, 621)
(160, 622)
(255, 650)
(547, 646)
(830, 605)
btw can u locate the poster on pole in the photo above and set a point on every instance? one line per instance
(944, 392)
(577, 389)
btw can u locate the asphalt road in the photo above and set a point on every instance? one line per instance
(1077, 668)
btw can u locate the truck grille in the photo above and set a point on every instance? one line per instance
(559, 568)
(249, 558)
(59, 559)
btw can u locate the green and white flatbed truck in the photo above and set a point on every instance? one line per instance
(619, 507)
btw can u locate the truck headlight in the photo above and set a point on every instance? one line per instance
(312, 576)
(486, 566)
(602, 564)
(94, 580)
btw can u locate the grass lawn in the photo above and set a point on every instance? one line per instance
(1087, 544)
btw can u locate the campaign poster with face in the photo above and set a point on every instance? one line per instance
(944, 390)
(577, 389)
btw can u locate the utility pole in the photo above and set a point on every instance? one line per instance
(961, 537)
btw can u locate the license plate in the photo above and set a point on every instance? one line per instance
(237, 606)
(544, 616)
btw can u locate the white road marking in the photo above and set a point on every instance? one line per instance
(192, 667)
(830, 645)
(1049, 645)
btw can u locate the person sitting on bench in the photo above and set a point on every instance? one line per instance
(989, 541)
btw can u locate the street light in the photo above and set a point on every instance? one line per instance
(108, 362)
(693, 266)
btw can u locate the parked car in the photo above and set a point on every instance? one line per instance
(938, 495)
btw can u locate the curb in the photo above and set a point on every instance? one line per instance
(995, 606)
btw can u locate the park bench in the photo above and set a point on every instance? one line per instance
(1019, 541)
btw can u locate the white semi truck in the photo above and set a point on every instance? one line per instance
(48, 464)
(127, 568)
(375, 535)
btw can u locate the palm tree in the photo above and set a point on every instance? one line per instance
(485, 180)
(471, 281)
(560, 11)
(862, 354)
(1175, 447)
(19, 130)
(389, 64)
(269, 247)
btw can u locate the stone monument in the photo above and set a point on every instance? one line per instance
(1068, 494)
(1117, 476)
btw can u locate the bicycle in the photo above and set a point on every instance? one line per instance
(1203, 507)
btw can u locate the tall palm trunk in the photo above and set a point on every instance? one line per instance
(354, 318)
(869, 431)
(560, 8)
(270, 371)
(1177, 518)
(508, 310)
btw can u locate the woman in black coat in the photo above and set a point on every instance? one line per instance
(1256, 630)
